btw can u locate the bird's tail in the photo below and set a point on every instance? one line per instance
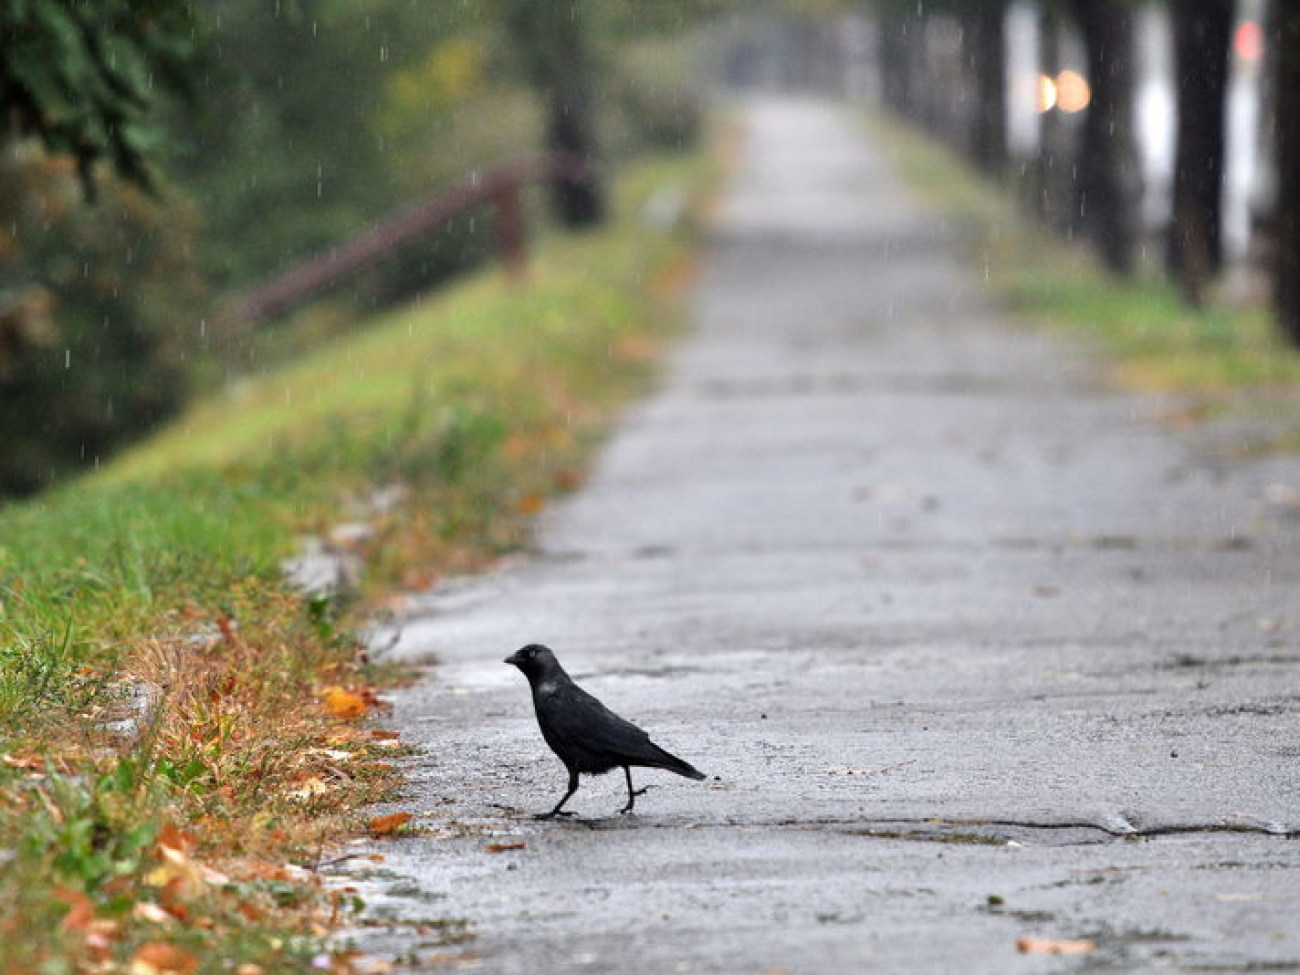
(671, 763)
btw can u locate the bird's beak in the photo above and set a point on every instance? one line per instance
(514, 659)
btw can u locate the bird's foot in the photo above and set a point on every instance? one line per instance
(555, 814)
(631, 800)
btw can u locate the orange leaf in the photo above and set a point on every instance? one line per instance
(171, 837)
(82, 909)
(342, 704)
(1055, 946)
(384, 825)
(503, 847)
(28, 763)
(530, 504)
(385, 735)
(161, 958)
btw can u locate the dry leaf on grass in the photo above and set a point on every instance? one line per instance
(342, 704)
(1055, 946)
(27, 763)
(503, 847)
(385, 825)
(161, 958)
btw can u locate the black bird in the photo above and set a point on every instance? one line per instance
(587, 736)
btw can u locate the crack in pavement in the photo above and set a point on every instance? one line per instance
(992, 830)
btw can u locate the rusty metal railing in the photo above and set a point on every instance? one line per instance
(498, 187)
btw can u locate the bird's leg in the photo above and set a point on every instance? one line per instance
(631, 793)
(573, 787)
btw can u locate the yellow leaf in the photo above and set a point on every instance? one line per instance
(178, 873)
(342, 704)
(310, 787)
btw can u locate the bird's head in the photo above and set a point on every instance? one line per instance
(533, 660)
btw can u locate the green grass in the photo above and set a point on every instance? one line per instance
(1154, 340)
(161, 575)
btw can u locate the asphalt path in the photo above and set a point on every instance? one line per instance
(973, 647)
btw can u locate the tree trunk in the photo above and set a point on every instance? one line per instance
(1109, 178)
(984, 42)
(1055, 163)
(551, 41)
(1202, 35)
(892, 58)
(1286, 254)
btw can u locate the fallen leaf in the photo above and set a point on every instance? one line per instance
(311, 787)
(383, 735)
(530, 503)
(1055, 946)
(161, 958)
(503, 847)
(384, 825)
(173, 838)
(81, 909)
(342, 704)
(146, 911)
(28, 763)
(181, 876)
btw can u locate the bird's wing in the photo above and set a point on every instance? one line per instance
(589, 736)
(579, 717)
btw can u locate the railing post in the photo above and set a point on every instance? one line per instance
(511, 240)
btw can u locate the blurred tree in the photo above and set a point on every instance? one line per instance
(86, 79)
(1054, 201)
(90, 296)
(1286, 256)
(1202, 32)
(985, 48)
(553, 47)
(102, 317)
(1109, 176)
(284, 155)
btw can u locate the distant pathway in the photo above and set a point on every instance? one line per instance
(948, 619)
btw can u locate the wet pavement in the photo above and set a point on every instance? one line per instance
(972, 647)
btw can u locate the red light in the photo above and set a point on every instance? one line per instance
(1248, 41)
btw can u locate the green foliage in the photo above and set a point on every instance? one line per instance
(103, 310)
(86, 78)
(283, 156)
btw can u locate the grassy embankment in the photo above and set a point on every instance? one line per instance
(178, 730)
(1154, 341)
